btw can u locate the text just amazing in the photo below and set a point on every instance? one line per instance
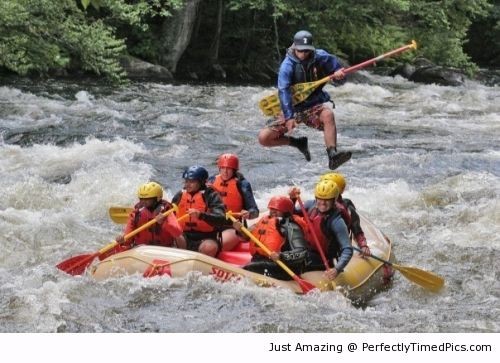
(299, 347)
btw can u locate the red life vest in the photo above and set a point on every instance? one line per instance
(344, 213)
(229, 192)
(155, 234)
(316, 220)
(196, 201)
(266, 231)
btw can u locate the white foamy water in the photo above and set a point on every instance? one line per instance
(426, 170)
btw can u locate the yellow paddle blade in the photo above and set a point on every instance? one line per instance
(427, 280)
(270, 105)
(120, 214)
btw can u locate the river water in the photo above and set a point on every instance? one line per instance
(425, 170)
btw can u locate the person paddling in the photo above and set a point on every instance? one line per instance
(151, 205)
(236, 193)
(329, 228)
(206, 213)
(281, 232)
(305, 63)
(348, 211)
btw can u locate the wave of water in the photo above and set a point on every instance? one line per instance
(426, 170)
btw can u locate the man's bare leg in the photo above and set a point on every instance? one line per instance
(270, 138)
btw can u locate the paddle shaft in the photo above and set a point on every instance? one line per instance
(412, 45)
(375, 257)
(313, 232)
(357, 67)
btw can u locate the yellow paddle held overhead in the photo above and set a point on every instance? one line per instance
(270, 105)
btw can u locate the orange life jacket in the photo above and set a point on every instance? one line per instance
(229, 192)
(317, 220)
(196, 201)
(266, 230)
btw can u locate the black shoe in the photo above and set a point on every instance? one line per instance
(335, 159)
(301, 144)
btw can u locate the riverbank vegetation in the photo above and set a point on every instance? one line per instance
(236, 40)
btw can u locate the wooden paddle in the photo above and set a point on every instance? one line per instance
(270, 105)
(77, 265)
(313, 232)
(427, 280)
(304, 285)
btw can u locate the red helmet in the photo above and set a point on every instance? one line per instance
(228, 161)
(281, 203)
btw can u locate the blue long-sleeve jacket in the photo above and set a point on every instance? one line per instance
(320, 65)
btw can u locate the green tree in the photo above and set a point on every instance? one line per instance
(37, 36)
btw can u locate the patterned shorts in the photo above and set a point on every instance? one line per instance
(309, 117)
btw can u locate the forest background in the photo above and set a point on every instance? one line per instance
(236, 40)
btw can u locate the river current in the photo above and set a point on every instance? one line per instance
(425, 170)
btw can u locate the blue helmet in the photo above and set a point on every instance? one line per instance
(195, 172)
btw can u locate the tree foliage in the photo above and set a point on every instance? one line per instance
(38, 36)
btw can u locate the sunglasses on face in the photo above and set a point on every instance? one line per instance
(304, 51)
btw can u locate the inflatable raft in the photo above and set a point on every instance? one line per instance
(361, 278)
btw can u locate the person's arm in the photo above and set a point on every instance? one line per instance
(285, 77)
(248, 199)
(338, 227)
(216, 214)
(330, 63)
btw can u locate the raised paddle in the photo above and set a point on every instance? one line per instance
(313, 232)
(77, 265)
(427, 280)
(304, 285)
(270, 105)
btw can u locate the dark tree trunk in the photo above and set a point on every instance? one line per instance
(214, 48)
(176, 34)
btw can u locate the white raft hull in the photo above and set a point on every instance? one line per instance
(359, 281)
